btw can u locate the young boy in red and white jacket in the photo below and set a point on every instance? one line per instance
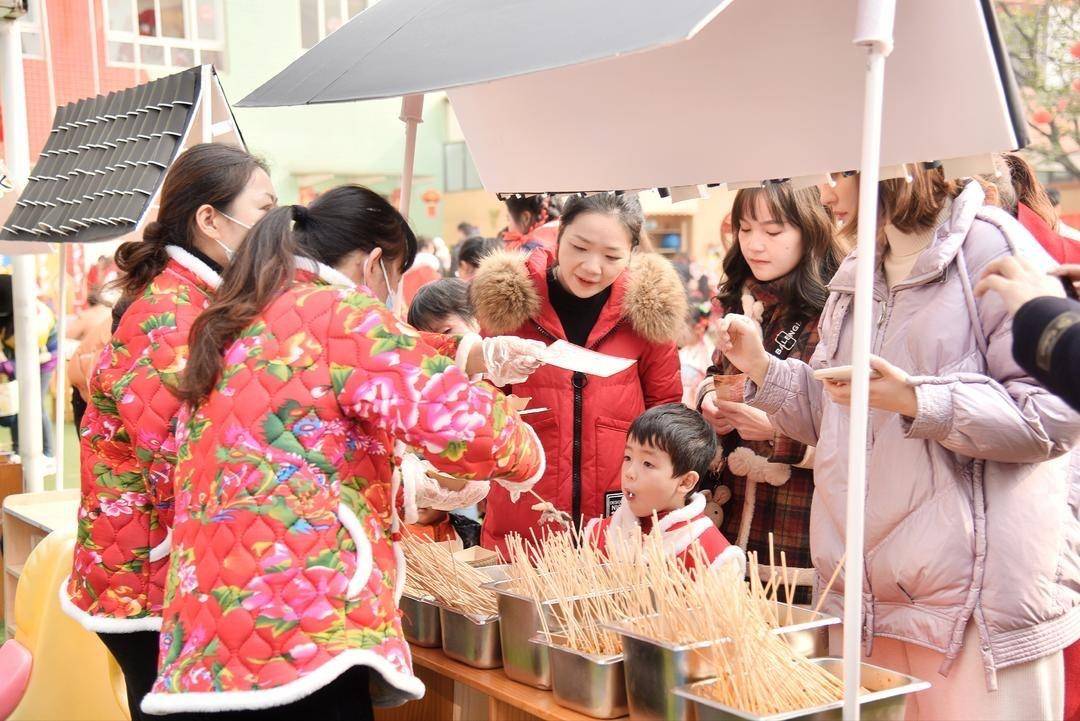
(668, 449)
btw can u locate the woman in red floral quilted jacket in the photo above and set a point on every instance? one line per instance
(282, 590)
(210, 195)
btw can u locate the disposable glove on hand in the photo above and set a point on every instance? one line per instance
(422, 491)
(509, 359)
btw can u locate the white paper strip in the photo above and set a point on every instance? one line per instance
(568, 356)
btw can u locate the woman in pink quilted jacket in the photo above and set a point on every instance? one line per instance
(286, 570)
(210, 196)
(972, 528)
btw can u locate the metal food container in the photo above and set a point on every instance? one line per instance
(886, 700)
(592, 685)
(523, 661)
(473, 641)
(654, 668)
(420, 621)
(555, 610)
(808, 632)
(497, 572)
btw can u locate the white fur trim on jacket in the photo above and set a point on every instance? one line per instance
(163, 549)
(623, 523)
(396, 688)
(201, 270)
(732, 554)
(362, 573)
(690, 511)
(465, 346)
(589, 534)
(105, 624)
(395, 526)
(678, 540)
(325, 272)
(406, 471)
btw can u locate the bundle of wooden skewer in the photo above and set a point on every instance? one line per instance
(432, 570)
(767, 594)
(757, 670)
(576, 587)
(638, 582)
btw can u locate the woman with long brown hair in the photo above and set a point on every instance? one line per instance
(776, 272)
(211, 195)
(303, 392)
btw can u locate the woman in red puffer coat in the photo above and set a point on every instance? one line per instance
(601, 293)
(210, 196)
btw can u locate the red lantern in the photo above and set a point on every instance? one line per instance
(1075, 50)
(1076, 85)
(431, 199)
(1041, 116)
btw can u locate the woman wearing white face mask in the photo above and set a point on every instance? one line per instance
(282, 592)
(127, 435)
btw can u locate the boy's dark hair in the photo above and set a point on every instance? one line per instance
(435, 301)
(681, 433)
(475, 249)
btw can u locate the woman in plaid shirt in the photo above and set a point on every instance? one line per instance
(776, 272)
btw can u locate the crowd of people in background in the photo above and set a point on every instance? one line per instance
(279, 378)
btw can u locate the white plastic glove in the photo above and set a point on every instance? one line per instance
(422, 491)
(430, 494)
(509, 359)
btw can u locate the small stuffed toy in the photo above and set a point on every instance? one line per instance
(714, 501)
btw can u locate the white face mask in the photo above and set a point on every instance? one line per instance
(389, 290)
(229, 252)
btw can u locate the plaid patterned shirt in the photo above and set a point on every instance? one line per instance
(783, 510)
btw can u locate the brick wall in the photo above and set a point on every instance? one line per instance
(69, 25)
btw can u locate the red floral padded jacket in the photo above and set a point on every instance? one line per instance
(128, 452)
(285, 569)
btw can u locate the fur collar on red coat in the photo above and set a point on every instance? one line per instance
(505, 293)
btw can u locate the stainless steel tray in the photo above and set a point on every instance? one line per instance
(654, 668)
(420, 621)
(472, 641)
(886, 701)
(519, 621)
(592, 685)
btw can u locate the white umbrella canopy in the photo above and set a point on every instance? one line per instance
(767, 89)
(406, 47)
(564, 96)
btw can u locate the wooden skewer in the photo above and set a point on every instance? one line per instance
(828, 586)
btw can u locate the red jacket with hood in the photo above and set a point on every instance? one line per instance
(584, 429)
